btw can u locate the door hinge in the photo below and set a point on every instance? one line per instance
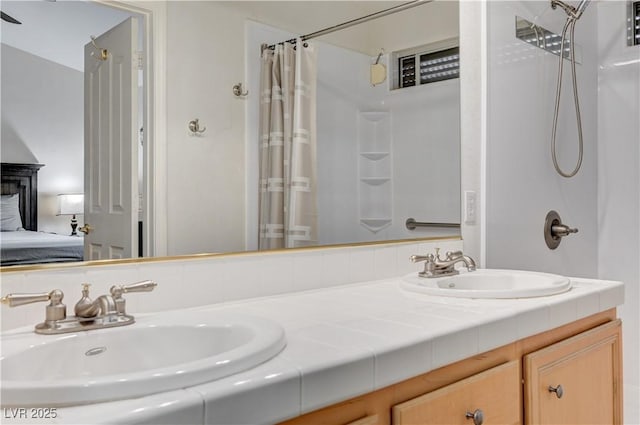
(139, 60)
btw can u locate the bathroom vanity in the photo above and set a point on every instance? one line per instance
(373, 352)
(570, 375)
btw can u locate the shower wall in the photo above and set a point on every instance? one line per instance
(603, 200)
(418, 127)
(422, 140)
(522, 185)
(619, 181)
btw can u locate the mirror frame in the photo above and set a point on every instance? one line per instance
(186, 257)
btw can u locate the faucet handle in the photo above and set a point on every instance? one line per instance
(450, 255)
(417, 258)
(118, 290)
(55, 310)
(562, 230)
(15, 300)
(144, 286)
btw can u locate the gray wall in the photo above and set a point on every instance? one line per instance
(42, 122)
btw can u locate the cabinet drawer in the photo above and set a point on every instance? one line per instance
(496, 392)
(576, 381)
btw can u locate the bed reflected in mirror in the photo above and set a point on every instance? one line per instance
(20, 241)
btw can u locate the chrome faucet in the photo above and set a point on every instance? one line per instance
(104, 312)
(435, 266)
(104, 305)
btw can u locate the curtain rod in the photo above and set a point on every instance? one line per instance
(353, 22)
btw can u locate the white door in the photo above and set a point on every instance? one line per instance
(110, 144)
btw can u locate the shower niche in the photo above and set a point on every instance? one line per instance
(374, 170)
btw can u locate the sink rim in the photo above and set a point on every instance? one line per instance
(559, 284)
(267, 340)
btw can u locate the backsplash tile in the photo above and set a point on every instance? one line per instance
(385, 262)
(192, 282)
(335, 266)
(361, 264)
(307, 271)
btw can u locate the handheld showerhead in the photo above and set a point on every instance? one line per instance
(573, 14)
(581, 7)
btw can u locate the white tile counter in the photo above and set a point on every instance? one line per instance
(347, 341)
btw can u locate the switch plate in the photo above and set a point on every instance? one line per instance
(470, 207)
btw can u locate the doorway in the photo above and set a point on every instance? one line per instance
(43, 125)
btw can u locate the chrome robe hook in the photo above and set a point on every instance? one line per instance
(194, 127)
(239, 91)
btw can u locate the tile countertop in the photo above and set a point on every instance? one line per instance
(346, 341)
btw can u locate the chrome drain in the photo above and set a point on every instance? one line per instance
(95, 351)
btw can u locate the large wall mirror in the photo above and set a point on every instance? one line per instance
(388, 146)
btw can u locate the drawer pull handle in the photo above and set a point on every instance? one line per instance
(477, 416)
(558, 390)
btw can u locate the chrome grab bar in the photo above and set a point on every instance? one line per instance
(411, 224)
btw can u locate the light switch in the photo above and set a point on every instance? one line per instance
(470, 207)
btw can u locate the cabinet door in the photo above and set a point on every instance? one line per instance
(576, 381)
(495, 392)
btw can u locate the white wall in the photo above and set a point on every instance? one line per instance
(473, 111)
(619, 181)
(603, 200)
(205, 174)
(424, 145)
(42, 122)
(522, 185)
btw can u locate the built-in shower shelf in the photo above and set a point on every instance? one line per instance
(375, 224)
(375, 156)
(375, 181)
(374, 170)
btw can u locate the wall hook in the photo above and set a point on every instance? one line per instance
(239, 91)
(194, 127)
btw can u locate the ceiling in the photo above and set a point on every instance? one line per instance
(57, 30)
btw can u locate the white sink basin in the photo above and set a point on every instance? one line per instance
(489, 283)
(159, 353)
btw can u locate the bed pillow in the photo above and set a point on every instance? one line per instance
(10, 220)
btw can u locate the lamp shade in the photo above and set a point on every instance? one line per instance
(70, 204)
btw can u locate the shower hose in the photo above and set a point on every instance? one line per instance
(569, 25)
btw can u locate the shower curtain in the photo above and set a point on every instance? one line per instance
(288, 195)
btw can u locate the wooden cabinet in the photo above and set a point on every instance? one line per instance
(368, 420)
(510, 384)
(493, 396)
(576, 381)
